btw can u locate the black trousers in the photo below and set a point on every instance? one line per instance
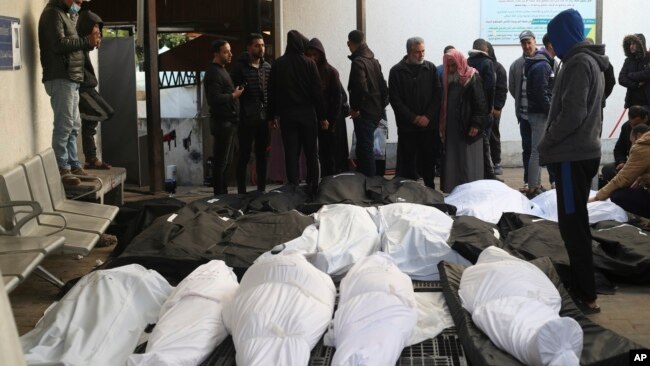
(495, 141)
(364, 130)
(252, 132)
(634, 200)
(300, 131)
(88, 132)
(224, 144)
(342, 158)
(327, 151)
(572, 188)
(609, 171)
(417, 153)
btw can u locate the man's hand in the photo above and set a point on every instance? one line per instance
(592, 199)
(422, 121)
(355, 114)
(237, 92)
(324, 125)
(620, 166)
(636, 184)
(273, 124)
(473, 132)
(496, 114)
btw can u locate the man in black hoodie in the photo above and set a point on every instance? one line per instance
(414, 91)
(223, 99)
(635, 73)
(251, 70)
(331, 85)
(368, 98)
(92, 107)
(571, 144)
(297, 100)
(500, 97)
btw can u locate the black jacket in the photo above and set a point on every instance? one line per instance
(635, 70)
(294, 82)
(62, 55)
(224, 107)
(610, 82)
(623, 145)
(330, 83)
(485, 67)
(413, 95)
(367, 86)
(539, 82)
(501, 86)
(85, 23)
(473, 109)
(254, 99)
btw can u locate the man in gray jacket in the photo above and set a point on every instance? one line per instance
(62, 59)
(517, 87)
(571, 144)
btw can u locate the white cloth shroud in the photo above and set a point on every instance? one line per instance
(488, 200)
(598, 211)
(517, 306)
(280, 311)
(415, 237)
(190, 324)
(376, 316)
(99, 321)
(340, 236)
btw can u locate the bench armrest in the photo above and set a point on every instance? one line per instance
(36, 210)
(87, 178)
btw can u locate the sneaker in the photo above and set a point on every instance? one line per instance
(67, 179)
(78, 171)
(497, 169)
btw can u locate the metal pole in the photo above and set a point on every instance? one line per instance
(361, 15)
(154, 130)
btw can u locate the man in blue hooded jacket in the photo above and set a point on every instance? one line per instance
(571, 144)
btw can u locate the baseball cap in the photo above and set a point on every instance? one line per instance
(526, 35)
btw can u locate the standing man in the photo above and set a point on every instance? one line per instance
(223, 99)
(483, 63)
(368, 98)
(571, 145)
(297, 99)
(331, 86)
(500, 96)
(517, 88)
(634, 74)
(62, 59)
(251, 70)
(92, 107)
(414, 90)
(539, 77)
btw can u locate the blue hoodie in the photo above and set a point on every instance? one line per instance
(565, 30)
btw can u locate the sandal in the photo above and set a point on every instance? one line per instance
(583, 306)
(524, 189)
(97, 164)
(534, 192)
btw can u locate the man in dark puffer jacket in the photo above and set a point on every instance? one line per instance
(62, 59)
(635, 73)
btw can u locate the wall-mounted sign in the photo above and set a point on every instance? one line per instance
(10, 43)
(503, 20)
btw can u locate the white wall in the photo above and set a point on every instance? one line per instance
(25, 113)
(390, 23)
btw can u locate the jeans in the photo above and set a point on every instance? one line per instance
(364, 130)
(524, 131)
(64, 98)
(537, 123)
(573, 184)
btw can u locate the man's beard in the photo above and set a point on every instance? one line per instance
(453, 78)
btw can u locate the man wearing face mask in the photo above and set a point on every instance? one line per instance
(62, 59)
(414, 92)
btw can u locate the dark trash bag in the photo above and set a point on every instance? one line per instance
(622, 251)
(398, 190)
(282, 199)
(92, 107)
(470, 235)
(348, 188)
(600, 346)
(228, 205)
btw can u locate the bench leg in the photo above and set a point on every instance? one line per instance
(49, 277)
